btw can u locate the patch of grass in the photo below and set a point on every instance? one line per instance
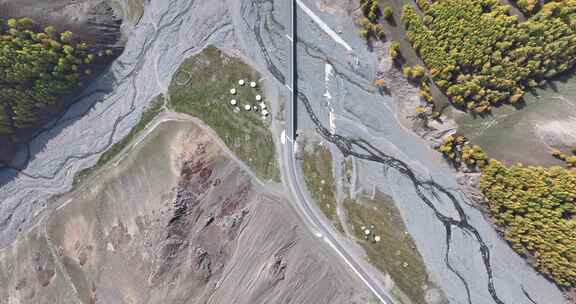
(153, 110)
(395, 253)
(201, 88)
(317, 172)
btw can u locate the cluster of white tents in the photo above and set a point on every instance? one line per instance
(370, 233)
(260, 106)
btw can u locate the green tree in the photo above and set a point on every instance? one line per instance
(12, 23)
(535, 209)
(66, 36)
(394, 50)
(50, 31)
(387, 13)
(37, 70)
(481, 56)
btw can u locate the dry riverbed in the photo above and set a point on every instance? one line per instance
(388, 246)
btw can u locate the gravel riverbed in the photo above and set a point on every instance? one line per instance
(462, 251)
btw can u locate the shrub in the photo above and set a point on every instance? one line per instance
(424, 5)
(387, 13)
(416, 73)
(394, 50)
(527, 6)
(458, 151)
(379, 31)
(369, 23)
(425, 93)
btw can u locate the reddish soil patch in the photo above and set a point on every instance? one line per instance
(235, 202)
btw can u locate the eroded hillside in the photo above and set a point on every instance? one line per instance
(175, 221)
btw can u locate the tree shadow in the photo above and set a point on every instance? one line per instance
(102, 31)
(399, 61)
(564, 77)
(76, 109)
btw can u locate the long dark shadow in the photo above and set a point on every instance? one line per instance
(294, 69)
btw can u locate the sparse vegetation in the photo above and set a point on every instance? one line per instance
(424, 5)
(528, 7)
(535, 208)
(480, 56)
(394, 50)
(153, 110)
(38, 68)
(415, 73)
(317, 172)
(371, 10)
(429, 109)
(458, 151)
(388, 13)
(425, 92)
(201, 88)
(396, 253)
(570, 160)
(369, 24)
(371, 30)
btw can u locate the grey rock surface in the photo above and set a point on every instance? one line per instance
(170, 30)
(97, 22)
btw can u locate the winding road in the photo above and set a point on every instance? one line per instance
(320, 226)
(462, 252)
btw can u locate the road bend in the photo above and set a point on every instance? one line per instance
(320, 227)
